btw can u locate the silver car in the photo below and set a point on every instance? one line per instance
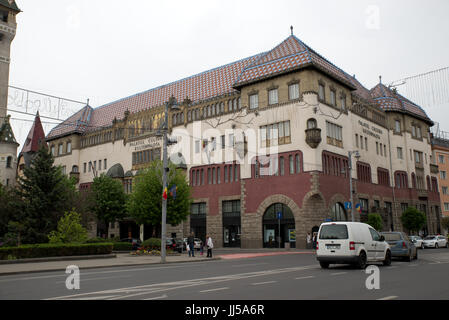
(417, 241)
(435, 242)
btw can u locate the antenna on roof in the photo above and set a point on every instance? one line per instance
(291, 29)
(87, 101)
(380, 79)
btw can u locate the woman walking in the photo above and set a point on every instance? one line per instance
(210, 246)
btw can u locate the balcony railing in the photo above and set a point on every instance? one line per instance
(313, 137)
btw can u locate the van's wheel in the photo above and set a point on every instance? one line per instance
(436, 246)
(362, 260)
(324, 265)
(387, 260)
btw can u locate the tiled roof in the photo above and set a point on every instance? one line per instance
(6, 133)
(203, 86)
(291, 54)
(11, 5)
(389, 100)
(35, 137)
(77, 123)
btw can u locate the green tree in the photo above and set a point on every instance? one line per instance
(45, 193)
(145, 203)
(108, 200)
(413, 219)
(69, 229)
(445, 223)
(375, 221)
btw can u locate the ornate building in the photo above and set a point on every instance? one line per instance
(8, 143)
(265, 143)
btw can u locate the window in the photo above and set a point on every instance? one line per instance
(385, 150)
(383, 177)
(445, 190)
(9, 162)
(214, 177)
(366, 143)
(343, 102)
(105, 164)
(63, 169)
(60, 149)
(397, 126)
(400, 155)
(69, 147)
(298, 164)
(364, 172)
(334, 134)
(275, 134)
(361, 142)
(333, 98)
(273, 96)
(197, 146)
(311, 124)
(231, 140)
(374, 235)
(321, 92)
(441, 158)
(209, 176)
(291, 164)
(446, 206)
(364, 204)
(99, 164)
(356, 140)
(85, 165)
(281, 166)
(418, 157)
(90, 166)
(254, 101)
(293, 91)
(418, 132)
(377, 147)
(443, 174)
(231, 208)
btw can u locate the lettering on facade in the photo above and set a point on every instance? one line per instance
(151, 142)
(371, 131)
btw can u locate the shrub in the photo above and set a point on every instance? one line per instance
(97, 240)
(122, 246)
(69, 229)
(152, 243)
(54, 250)
(375, 221)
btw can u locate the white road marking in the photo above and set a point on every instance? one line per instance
(388, 298)
(216, 289)
(307, 277)
(152, 288)
(259, 283)
(155, 298)
(338, 273)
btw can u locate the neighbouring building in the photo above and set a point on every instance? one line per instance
(440, 158)
(8, 143)
(265, 144)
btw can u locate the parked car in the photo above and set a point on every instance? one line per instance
(401, 245)
(418, 241)
(198, 243)
(351, 243)
(171, 244)
(435, 242)
(181, 245)
(136, 243)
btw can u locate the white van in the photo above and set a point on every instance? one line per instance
(351, 243)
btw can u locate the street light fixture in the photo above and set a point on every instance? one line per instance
(171, 104)
(357, 156)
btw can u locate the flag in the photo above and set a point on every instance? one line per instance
(164, 195)
(173, 191)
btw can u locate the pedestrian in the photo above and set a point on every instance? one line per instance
(309, 240)
(210, 246)
(191, 244)
(314, 240)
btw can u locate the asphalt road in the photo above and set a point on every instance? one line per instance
(280, 277)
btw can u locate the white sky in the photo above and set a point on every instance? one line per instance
(109, 49)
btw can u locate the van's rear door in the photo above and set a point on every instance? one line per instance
(333, 239)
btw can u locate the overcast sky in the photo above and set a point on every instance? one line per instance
(108, 49)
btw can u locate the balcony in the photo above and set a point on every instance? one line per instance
(434, 168)
(313, 137)
(419, 165)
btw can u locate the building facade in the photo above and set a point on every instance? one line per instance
(440, 157)
(8, 143)
(265, 142)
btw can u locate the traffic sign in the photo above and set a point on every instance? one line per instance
(279, 215)
(348, 205)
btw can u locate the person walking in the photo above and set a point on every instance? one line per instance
(314, 240)
(191, 244)
(309, 240)
(210, 246)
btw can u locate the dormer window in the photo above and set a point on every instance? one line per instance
(397, 126)
(321, 91)
(333, 98)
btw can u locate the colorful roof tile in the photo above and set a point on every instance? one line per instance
(389, 100)
(36, 136)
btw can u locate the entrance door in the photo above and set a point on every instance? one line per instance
(231, 236)
(276, 232)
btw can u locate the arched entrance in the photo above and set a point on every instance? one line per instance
(276, 232)
(338, 212)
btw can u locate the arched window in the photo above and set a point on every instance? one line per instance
(9, 162)
(338, 212)
(75, 169)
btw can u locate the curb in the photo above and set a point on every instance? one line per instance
(107, 266)
(53, 259)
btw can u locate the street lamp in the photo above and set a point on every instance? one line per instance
(171, 104)
(357, 155)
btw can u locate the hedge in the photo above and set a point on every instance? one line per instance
(122, 246)
(152, 243)
(54, 250)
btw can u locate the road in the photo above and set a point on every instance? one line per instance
(276, 277)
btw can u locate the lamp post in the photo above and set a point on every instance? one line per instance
(357, 155)
(171, 104)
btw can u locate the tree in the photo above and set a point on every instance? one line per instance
(145, 203)
(445, 223)
(45, 193)
(69, 229)
(375, 221)
(108, 200)
(413, 219)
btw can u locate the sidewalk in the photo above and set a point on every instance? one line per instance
(121, 259)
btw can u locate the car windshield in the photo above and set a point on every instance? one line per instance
(392, 236)
(334, 231)
(429, 238)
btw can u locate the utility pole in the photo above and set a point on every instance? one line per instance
(357, 155)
